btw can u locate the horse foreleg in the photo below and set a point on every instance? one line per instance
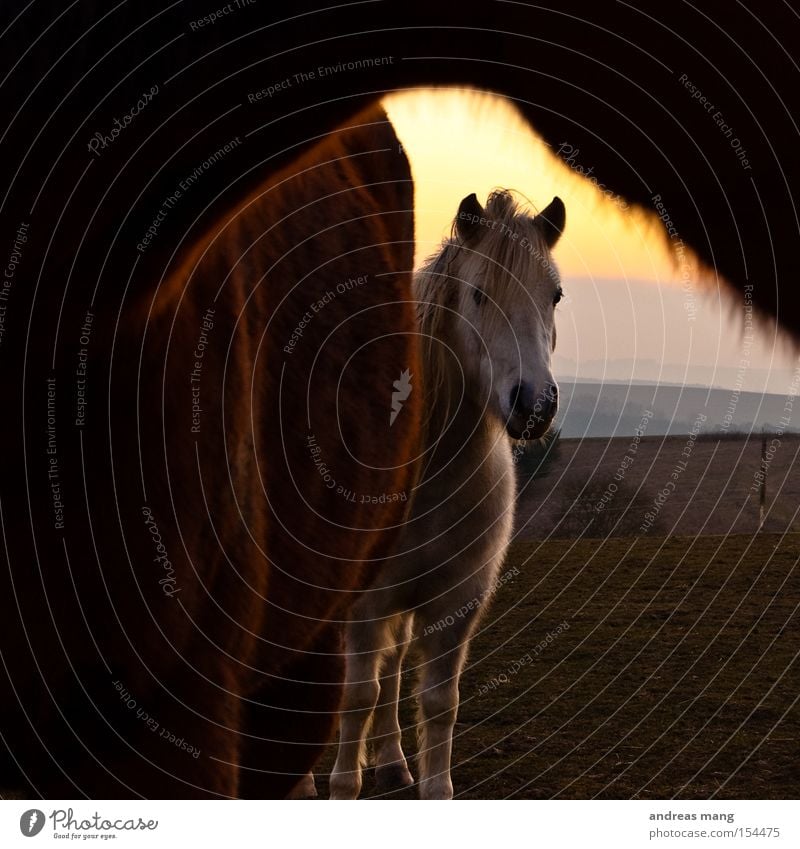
(288, 721)
(391, 768)
(366, 641)
(306, 789)
(444, 655)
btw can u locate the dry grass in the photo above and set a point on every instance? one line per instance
(713, 493)
(677, 677)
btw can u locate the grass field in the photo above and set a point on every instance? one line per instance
(678, 674)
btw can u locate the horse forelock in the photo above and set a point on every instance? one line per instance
(508, 259)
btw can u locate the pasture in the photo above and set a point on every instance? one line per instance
(677, 676)
(716, 487)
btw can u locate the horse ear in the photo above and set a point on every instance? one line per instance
(469, 215)
(551, 221)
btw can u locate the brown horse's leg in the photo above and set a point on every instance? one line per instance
(179, 740)
(194, 751)
(286, 727)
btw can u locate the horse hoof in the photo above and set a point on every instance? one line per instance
(392, 777)
(305, 789)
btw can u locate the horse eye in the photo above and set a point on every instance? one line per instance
(557, 297)
(478, 295)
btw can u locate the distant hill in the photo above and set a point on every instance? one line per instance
(596, 409)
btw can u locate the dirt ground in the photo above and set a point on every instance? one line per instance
(711, 487)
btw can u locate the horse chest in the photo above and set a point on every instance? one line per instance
(470, 501)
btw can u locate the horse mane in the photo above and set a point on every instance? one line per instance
(508, 250)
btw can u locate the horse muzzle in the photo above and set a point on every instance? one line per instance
(531, 414)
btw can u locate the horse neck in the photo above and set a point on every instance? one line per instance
(453, 420)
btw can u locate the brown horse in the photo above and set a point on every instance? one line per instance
(222, 505)
(135, 137)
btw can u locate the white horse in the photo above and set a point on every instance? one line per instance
(486, 304)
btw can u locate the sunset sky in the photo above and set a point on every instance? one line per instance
(631, 311)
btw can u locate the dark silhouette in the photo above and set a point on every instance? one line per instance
(131, 135)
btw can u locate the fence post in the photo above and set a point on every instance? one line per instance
(762, 490)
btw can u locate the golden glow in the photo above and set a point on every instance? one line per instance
(633, 310)
(460, 142)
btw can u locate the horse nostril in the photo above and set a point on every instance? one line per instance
(516, 399)
(524, 402)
